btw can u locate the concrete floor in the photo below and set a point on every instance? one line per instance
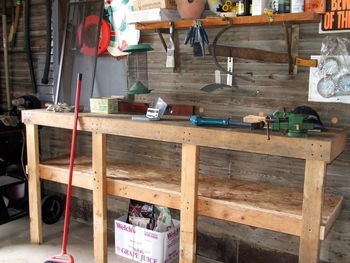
(16, 248)
(15, 245)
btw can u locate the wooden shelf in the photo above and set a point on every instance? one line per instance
(255, 204)
(215, 22)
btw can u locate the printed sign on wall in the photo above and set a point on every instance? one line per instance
(337, 17)
(331, 82)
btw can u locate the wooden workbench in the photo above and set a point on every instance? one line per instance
(307, 213)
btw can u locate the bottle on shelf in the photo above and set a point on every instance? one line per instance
(283, 6)
(244, 7)
(280, 6)
(297, 6)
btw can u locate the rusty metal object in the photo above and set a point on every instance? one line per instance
(259, 55)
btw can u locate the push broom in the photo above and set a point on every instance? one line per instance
(64, 257)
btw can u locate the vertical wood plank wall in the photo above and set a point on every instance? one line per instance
(265, 93)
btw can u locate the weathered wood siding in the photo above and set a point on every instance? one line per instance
(264, 94)
(20, 83)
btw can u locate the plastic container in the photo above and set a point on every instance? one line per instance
(317, 6)
(297, 6)
(190, 9)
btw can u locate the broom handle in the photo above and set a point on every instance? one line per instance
(71, 166)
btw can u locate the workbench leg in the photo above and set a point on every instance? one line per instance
(189, 192)
(99, 196)
(36, 233)
(309, 250)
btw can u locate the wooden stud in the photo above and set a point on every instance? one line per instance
(189, 192)
(309, 251)
(99, 196)
(295, 33)
(36, 235)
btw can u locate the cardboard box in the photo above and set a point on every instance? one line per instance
(258, 7)
(150, 4)
(143, 245)
(152, 15)
(105, 105)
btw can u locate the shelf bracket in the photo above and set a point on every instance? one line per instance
(162, 39)
(165, 46)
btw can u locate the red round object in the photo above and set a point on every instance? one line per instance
(105, 35)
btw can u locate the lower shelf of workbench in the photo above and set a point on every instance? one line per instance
(250, 203)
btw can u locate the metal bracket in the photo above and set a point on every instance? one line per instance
(165, 46)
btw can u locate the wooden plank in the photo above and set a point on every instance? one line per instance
(294, 38)
(309, 251)
(214, 22)
(312, 63)
(316, 147)
(188, 207)
(248, 53)
(338, 146)
(331, 219)
(34, 192)
(255, 204)
(99, 196)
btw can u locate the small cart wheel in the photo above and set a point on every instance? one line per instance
(52, 209)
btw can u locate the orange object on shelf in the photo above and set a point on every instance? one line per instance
(317, 6)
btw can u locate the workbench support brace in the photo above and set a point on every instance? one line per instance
(189, 194)
(36, 233)
(99, 196)
(309, 250)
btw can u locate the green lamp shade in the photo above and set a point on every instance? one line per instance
(138, 48)
(138, 88)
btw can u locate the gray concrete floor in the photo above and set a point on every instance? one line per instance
(15, 246)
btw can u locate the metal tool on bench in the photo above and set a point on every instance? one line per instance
(199, 121)
(154, 112)
(295, 124)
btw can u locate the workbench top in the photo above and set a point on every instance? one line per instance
(325, 146)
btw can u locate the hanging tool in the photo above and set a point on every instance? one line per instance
(199, 121)
(254, 54)
(6, 65)
(45, 78)
(27, 46)
(217, 85)
(64, 257)
(14, 26)
(198, 38)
